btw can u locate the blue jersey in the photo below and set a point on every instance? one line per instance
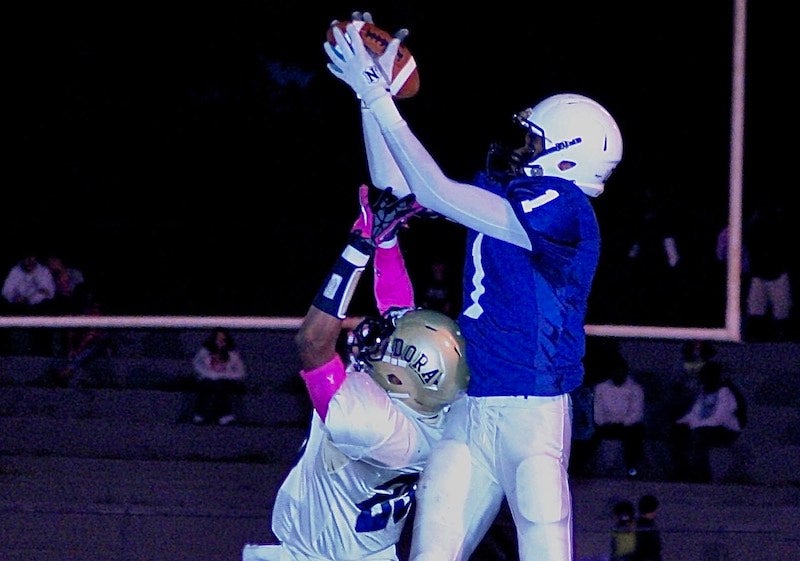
(524, 310)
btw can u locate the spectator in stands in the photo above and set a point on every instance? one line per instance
(29, 286)
(683, 392)
(619, 413)
(623, 533)
(653, 259)
(68, 299)
(220, 373)
(599, 355)
(711, 422)
(69, 284)
(694, 355)
(29, 290)
(83, 347)
(648, 535)
(769, 298)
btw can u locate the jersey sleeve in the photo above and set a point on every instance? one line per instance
(557, 219)
(365, 424)
(546, 211)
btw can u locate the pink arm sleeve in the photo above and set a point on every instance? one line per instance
(392, 283)
(323, 382)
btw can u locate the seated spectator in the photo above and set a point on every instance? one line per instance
(600, 354)
(69, 284)
(648, 535)
(68, 299)
(694, 354)
(220, 373)
(28, 285)
(83, 347)
(623, 533)
(619, 414)
(28, 290)
(711, 422)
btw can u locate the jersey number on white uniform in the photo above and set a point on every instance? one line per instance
(378, 510)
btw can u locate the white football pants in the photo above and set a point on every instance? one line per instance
(492, 447)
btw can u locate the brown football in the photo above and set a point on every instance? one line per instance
(405, 77)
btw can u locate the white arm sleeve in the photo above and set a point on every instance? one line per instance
(466, 204)
(383, 170)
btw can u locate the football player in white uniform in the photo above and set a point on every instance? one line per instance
(375, 420)
(533, 245)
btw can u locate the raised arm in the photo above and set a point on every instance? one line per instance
(393, 151)
(321, 367)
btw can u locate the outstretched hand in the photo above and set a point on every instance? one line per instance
(386, 60)
(379, 222)
(352, 64)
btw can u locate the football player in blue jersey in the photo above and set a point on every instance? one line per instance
(376, 419)
(533, 245)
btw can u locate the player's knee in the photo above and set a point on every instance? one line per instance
(542, 490)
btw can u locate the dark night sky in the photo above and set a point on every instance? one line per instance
(202, 160)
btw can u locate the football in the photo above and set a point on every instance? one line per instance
(405, 77)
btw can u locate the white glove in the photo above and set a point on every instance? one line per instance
(352, 64)
(386, 60)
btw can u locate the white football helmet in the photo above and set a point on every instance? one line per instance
(581, 141)
(416, 355)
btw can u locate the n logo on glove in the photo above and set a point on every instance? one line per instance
(372, 74)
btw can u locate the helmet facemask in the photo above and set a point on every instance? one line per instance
(541, 146)
(578, 141)
(504, 163)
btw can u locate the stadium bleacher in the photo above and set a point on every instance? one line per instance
(113, 469)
